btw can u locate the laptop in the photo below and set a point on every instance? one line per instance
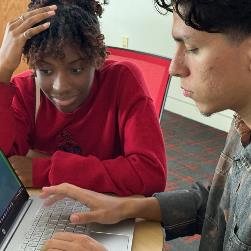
(25, 224)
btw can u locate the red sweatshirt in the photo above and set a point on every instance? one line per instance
(112, 143)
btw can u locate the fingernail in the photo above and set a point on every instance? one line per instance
(51, 13)
(46, 25)
(74, 218)
(53, 7)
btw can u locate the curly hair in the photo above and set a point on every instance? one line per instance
(231, 17)
(76, 24)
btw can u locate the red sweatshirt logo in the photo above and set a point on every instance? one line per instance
(67, 143)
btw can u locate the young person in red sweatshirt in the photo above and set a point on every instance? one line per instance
(96, 125)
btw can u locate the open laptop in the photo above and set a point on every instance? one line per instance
(25, 224)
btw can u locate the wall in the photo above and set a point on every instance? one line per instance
(149, 31)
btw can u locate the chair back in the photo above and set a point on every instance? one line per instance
(155, 71)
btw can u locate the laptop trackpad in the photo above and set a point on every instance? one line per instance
(112, 242)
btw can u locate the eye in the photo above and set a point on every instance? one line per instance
(46, 72)
(192, 50)
(77, 70)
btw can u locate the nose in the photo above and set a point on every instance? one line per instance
(61, 83)
(178, 67)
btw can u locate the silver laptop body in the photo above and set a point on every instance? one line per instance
(25, 224)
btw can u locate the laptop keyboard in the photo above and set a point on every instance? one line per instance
(53, 219)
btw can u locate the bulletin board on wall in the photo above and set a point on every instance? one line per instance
(11, 9)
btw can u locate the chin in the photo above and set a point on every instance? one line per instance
(209, 112)
(64, 109)
(206, 114)
(206, 111)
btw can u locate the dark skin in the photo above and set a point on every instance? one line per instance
(23, 166)
(10, 57)
(14, 39)
(65, 81)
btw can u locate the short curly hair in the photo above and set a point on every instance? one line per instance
(230, 17)
(76, 24)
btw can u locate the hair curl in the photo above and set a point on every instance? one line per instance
(231, 17)
(76, 24)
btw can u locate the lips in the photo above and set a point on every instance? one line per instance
(62, 101)
(186, 92)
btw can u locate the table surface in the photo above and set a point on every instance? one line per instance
(148, 235)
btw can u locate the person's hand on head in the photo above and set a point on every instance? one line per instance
(23, 168)
(16, 34)
(72, 242)
(104, 209)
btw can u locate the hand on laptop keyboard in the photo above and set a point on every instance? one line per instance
(50, 220)
(104, 209)
(73, 242)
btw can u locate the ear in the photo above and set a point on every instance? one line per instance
(99, 63)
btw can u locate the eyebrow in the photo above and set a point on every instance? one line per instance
(71, 62)
(181, 38)
(76, 60)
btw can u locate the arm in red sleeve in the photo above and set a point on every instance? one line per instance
(7, 127)
(17, 115)
(141, 170)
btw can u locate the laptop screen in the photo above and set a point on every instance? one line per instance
(12, 195)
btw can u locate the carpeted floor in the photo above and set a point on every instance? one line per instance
(192, 151)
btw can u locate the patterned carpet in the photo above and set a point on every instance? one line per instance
(192, 151)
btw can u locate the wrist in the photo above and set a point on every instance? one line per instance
(5, 74)
(130, 208)
(147, 208)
